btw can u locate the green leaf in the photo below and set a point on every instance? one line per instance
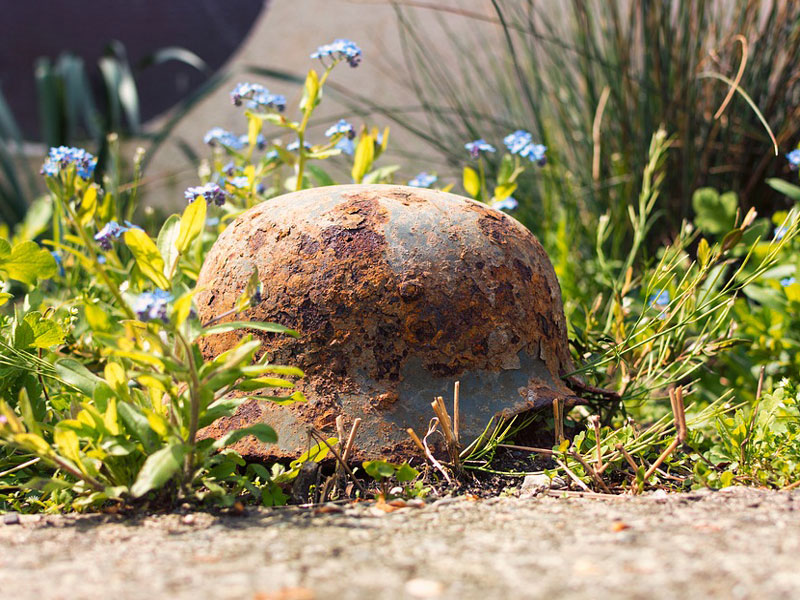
(223, 407)
(74, 374)
(321, 177)
(192, 222)
(46, 333)
(714, 213)
(784, 187)
(26, 262)
(378, 469)
(137, 425)
(406, 473)
(262, 432)
(166, 242)
(159, 468)
(472, 183)
(234, 325)
(147, 256)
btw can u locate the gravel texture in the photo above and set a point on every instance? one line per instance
(731, 544)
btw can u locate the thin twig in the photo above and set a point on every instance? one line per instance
(456, 411)
(321, 438)
(597, 479)
(595, 421)
(628, 458)
(431, 428)
(21, 466)
(528, 449)
(413, 435)
(558, 419)
(572, 476)
(351, 439)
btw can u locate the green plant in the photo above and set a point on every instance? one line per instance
(384, 472)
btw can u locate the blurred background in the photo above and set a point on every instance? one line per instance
(591, 80)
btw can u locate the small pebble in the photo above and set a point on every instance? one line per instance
(424, 588)
(11, 518)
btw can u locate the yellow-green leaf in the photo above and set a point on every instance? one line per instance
(26, 262)
(98, 319)
(310, 92)
(182, 307)
(501, 192)
(192, 222)
(703, 251)
(147, 256)
(364, 155)
(167, 237)
(66, 441)
(88, 205)
(472, 183)
(253, 129)
(110, 417)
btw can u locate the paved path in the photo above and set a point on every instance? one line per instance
(731, 544)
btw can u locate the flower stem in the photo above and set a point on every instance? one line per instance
(98, 265)
(301, 131)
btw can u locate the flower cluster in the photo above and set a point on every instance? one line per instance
(509, 203)
(60, 159)
(660, 299)
(150, 306)
(340, 49)
(521, 143)
(342, 127)
(210, 191)
(787, 281)
(794, 159)
(423, 180)
(780, 231)
(295, 145)
(478, 146)
(239, 182)
(259, 97)
(217, 135)
(112, 231)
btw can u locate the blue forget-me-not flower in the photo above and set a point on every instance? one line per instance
(340, 49)
(423, 180)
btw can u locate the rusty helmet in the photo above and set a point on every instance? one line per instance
(397, 293)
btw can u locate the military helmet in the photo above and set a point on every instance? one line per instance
(397, 293)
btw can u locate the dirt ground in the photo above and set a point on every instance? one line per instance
(731, 544)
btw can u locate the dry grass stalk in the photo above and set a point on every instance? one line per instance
(588, 468)
(456, 411)
(431, 429)
(679, 412)
(572, 475)
(558, 419)
(447, 430)
(415, 438)
(628, 458)
(321, 439)
(528, 449)
(595, 421)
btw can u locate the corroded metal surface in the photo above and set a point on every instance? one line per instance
(397, 292)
